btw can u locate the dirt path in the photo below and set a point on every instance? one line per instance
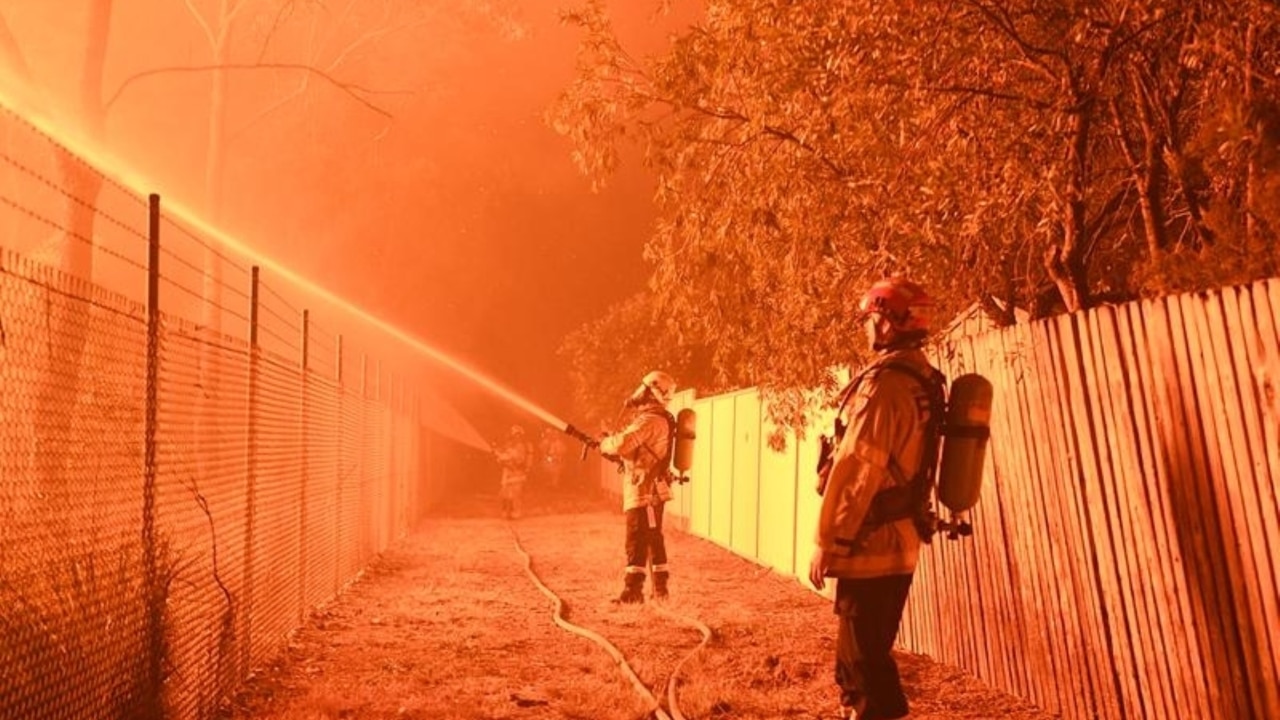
(448, 625)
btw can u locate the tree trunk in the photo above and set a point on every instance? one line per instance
(208, 435)
(69, 316)
(1065, 261)
(1251, 171)
(1150, 173)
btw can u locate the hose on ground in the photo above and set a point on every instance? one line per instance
(644, 692)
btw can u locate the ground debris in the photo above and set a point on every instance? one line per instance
(447, 623)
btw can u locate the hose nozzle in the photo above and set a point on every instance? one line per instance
(587, 441)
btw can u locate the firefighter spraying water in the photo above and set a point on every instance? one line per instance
(653, 452)
(644, 451)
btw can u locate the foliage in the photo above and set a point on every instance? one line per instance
(1034, 154)
(608, 357)
(77, 627)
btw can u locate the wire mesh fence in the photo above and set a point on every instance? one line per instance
(184, 471)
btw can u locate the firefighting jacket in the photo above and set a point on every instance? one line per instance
(642, 448)
(886, 422)
(514, 458)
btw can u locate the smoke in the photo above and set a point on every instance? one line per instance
(444, 420)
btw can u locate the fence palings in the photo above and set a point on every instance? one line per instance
(1125, 556)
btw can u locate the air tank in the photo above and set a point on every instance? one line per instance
(964, 446)
(686, 433)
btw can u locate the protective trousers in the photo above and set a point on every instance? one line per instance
(645, 546)
(870, 611)
(511, 495)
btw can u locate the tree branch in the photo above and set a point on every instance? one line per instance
(285, 7)
(1005, 24)
(960, 89)
(279, 103)
(229, 14)
(773, 131)
(11, 52)
(370, 36)
(351, 89)
(204, 24)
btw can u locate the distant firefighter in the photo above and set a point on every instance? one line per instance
(514, 457)
(551, 456)
(644, 449)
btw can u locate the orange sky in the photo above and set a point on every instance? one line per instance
(460, 216)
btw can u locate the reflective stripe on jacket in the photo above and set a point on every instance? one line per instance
(887, 418)
(641, 446)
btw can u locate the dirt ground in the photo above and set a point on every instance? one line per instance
(447, 624)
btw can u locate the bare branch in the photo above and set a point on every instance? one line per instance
(11, 52)
(204, 24)
(229, 13)
(285, 7)
(279, 103)
(369, 37)
(351, 89)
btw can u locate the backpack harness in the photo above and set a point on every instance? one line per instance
(908, 498)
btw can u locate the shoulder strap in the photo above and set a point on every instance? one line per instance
(670, 420)
(935, 386)
(665, 461)
(910, 497)
(932, 384)
(851, 388)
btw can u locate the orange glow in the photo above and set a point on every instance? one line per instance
(121, 173)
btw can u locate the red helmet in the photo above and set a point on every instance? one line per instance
(906, 305)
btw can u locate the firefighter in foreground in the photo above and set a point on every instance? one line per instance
(514, 457)
(644, 450)
(875, 496)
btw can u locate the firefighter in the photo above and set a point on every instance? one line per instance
(868, 538)
(644, 450)
(551, 456)
(514, 457)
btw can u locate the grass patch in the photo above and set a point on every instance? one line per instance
(76, 631)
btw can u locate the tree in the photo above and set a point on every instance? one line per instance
(221, 31)
(58, 389)
(608, 358)
(997, 150)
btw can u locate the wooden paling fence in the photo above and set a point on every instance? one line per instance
(1124, 561)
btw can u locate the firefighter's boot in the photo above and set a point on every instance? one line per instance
(633, 590)
(660, 578)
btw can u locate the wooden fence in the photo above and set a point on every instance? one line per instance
(1124, 562)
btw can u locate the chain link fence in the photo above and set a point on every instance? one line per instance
(188, 462)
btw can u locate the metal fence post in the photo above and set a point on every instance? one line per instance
(411, 422)
(303, 439)
(402, 457)
(392, 511)
(427, 464)
(250, 479)
(380, 484)
(337, 493)
(155, 609)
(362, 433)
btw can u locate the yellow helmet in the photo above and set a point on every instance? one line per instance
(662, 385)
